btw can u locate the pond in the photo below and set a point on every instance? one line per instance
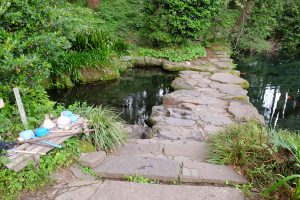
(275, 90)
(133, 95)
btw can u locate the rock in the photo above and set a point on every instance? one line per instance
(192, 97)
(224, 65)
(199, 172)
(147, 134)
(127, 58)
(244, 112)
(116, 190)
(88, 75)
(135, 131)
(231, 89)
(139, 146)
(92, 159)
(60, 177)
(229, 79)
(139, 61)
(153, 62)
(154, 168)
(77, 172)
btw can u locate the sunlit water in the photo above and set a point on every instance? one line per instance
(133, 95)
(275, 90)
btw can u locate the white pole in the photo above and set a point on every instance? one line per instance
(20, 106)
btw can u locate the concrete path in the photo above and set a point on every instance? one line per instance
(205, 101)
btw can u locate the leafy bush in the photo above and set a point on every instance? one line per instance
(29, 42)
(261, 156)
(179, 54)
(174, 21)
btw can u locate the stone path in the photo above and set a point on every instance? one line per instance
(204, 102)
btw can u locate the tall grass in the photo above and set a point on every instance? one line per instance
(263, 157)
(109, 127)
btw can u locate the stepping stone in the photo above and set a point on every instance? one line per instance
(231, 89)
(190, 149)
(200, 172)
(92, 159)
(229, 79)
(116, 190)
(78, 173)
(139, 146)
(154, 168)
(194, 97)
(244, 112)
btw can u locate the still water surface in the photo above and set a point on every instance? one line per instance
(133, 95)
(275, 90)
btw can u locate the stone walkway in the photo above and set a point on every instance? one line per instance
(202, 104)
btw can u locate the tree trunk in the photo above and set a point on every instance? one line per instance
(94, 4)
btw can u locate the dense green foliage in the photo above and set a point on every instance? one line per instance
(266, 26)
(185, 53)
(174, 21)
(262, 156)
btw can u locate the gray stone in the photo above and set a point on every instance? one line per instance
(78, 173)
(153, 62)
(139, 146)
(116, 190)
(135, 131)
(120, 166)
(139, 61)
(230, 79)
(194, 97)
(244, 112)
(200, 172)
(82, 193)
(216, 119)
(61, 177)
(231, 89)
(127, 58)
(224, 65)
(197, 150)
(92, 159)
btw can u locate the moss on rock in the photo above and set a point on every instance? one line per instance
(88, 75)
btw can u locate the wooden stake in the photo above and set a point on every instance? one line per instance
(21, 107)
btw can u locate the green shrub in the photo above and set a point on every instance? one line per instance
(179, 54)
(175, 21)
(261, 156)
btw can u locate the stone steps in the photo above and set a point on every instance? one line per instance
(167, 170)
(116, 190)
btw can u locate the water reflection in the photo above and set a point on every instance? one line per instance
(134, 95)
(275, 91)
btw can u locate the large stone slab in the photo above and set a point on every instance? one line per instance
(229, 79)
(92, 159)
(139, 146)
(121, 166)
(194, 149)
(200, 172)
(244, 112)
(117, 190)
(194, 97)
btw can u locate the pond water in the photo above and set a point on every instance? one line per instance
(133, 95)
(275, 90)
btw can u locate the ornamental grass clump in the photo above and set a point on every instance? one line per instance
(109, 127)
(262, 156)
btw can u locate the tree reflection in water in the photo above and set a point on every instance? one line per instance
(134, 95)
(275, 90)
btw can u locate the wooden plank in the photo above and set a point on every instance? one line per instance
(21, 107)
(21, 161)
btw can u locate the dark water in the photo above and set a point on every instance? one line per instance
(275, 90)
(134, 95)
